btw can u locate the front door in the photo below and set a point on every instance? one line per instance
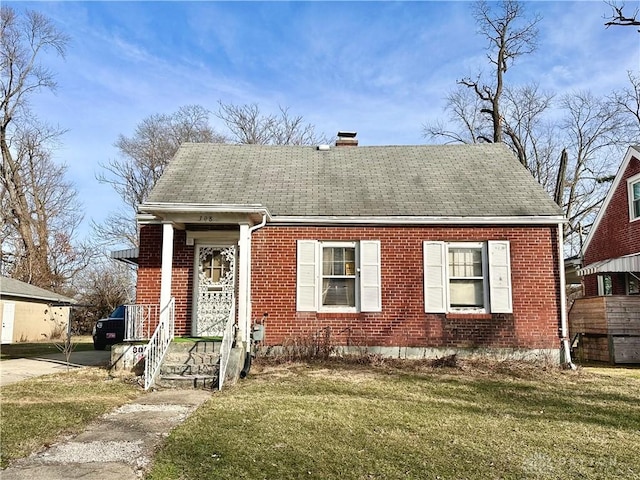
(215, 287)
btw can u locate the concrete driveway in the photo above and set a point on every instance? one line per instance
(12, 371)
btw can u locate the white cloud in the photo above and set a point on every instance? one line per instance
(381, 68)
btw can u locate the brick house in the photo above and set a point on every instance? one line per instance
(611, 251)
(405, 250)
(608, 318)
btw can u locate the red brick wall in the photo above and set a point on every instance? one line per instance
(149, 264)
(615, 235)
(149, 273)
(535, 322)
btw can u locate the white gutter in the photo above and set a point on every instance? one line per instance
(201, 207)
(418, 220)
(563, 303)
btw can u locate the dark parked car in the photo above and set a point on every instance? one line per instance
(109, 331)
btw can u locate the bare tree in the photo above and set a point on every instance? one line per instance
(591, 131)
(525, 129)
(465, 122)
(592, 128)
(143, 158)
(248, 124)
(627, 101)
(571, 156)
(101, 288)
(511, 34)
(145, 155)
(40, 211)
(531, 137)
(618, 17)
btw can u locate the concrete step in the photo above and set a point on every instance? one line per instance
(191, 365)
(188, 381)
(192, 358)
(197, 346)
(168, 368)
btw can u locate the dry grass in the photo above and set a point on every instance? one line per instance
(45, 347)
(37, 411)
(410, 420)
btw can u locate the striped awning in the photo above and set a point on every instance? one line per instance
(628, 263)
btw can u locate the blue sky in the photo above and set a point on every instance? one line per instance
(379, 68)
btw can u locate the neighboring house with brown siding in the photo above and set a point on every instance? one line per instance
(31, 313)
(606, 323)
(406, 250)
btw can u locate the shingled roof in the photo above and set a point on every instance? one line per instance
(10, 287)
(298, 181)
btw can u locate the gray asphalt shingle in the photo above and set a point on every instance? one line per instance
(10, 287)
(429, 180)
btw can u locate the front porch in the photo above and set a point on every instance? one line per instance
(166, 360)
(194, 279)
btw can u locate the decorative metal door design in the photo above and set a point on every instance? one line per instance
(215, 289)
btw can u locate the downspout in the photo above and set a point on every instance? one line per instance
(259, 225)
(247, 360)
(251, 230)
(565, 348)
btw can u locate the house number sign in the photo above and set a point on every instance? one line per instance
(138, 353)
(207, 218)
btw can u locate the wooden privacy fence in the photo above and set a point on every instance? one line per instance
(606, 329)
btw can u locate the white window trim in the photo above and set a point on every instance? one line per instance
(339, 308)
(630, 183)
(629, 277)
(485, 277)
(496, 277)
(601, 285)
(368, 288)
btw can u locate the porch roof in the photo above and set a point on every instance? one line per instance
(627, 263)
(464, 181)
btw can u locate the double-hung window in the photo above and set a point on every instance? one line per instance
(633, 185)
(338, 276)
(467, 277)
(466, 267)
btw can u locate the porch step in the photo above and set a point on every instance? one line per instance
(191, 358)
(197, 346)
(188, 381)
(191, 365)
(189, 369)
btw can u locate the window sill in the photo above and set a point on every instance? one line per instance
(338, 310)
(468, 316)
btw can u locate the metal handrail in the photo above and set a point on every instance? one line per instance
(227, 343)
(159, 343)
(138, 319)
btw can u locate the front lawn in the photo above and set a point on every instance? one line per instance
(336, 421)
(38, 349)
(36, 411)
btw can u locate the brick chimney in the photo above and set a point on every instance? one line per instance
(347, 139)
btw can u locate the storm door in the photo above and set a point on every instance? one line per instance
(215, 287)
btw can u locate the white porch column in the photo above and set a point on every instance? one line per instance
(167, 264)
(244, 283)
